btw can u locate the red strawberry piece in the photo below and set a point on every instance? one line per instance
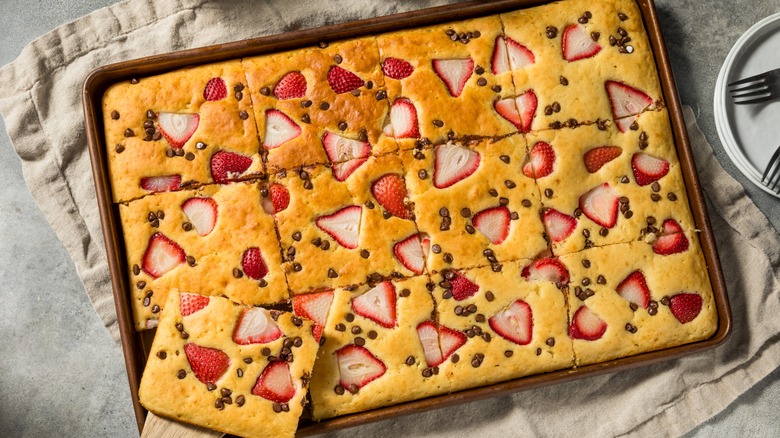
(453, 163)
(279, 129)
(215, 90)
(378, 305)
(600, 205)
(586, 325)
(166, 183)
(410, 252)
(626, 100)
(255, 326)
(253, 264)
(634, 289)
(390, 191)
(462, 288)
(540, 162)
(340, 149)
(509, 55)
(559, 225)
(514, 323)
(342, 171)
(547, 269)
(275, 383)
(685, 306)
(438, 342)
(493, 223)
(599, 156)
(342, 80)
(208, 364)
(227, 166)
(577, 44)
(277, 200)
(314, 307)
(648, 168)
(191, 303)
(343, 225)
(403, 120)
(177, 128)
(673, 239)
(358, 366)
(397, 68)
(520, 111)
(161, 255)
(202, 214)
(454, 73)
(291, 86)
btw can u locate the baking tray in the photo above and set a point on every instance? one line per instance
(136, 345)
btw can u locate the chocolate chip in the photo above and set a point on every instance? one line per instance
(548, 111)
(237, 273)
(437, 123)
(552, 32)
(465, 212)
(129, 132)
(297, 267)
(436, 248)
(489, 296)
(595, 36)
(622, 16)
(476, 362)
(308, 185)
(586, 233)
(603, 232)
(115, 115)
(155, 308)
(239, 95)
(386, 214)
(582, 20)
(360, 341)
(548, 193)
(189, 156)
(324, 106)
(655, 187)
(481, 82)
(556, 107)
(503, 201)
(479, 70)
(325, 245)
(296, 321)
(496, 88)
(493, 192)
(342, 125)
(364, 253)
(510, 184)
(586, 263)
(427, 372)
(181, 374)
(210, 386)
(622, 32)
(655, 197)
(381, 94)
(338, 389)
(671, 196)
(141, 284)
(447, 257)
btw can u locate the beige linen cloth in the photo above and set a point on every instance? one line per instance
(40, 101)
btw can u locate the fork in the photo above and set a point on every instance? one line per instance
(756, 89)
(772, 181)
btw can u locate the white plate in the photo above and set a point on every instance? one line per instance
(750, 133)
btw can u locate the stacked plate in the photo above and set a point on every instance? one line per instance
(750, 133)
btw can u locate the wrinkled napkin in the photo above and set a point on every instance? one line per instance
(40, 102)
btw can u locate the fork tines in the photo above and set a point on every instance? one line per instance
(771, 176)
(756, 89)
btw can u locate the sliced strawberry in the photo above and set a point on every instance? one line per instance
(279, 129)
(634, 289)
(397, 68)
(493, 223)
(314, 307)
(449, 341)
(685, 306)
(208, 364)
(342, 171)
(509, 55)
(586, 325)
(403, 120)
(453, 163)
(559, 225)
(626, 100)
(358, 366)
(599, 156)
(215, 90)
(166, 183)
(648, 169)
(577, 44)
(454, 73)
(462, 288)
(342, 80)
(438, 342)
(227, 166)
(275, 383)
(340, 149)
(177, 128)
(253, 264)
(520, 111)
(191, 303)
(291, 86)
(343, 225)
(255, 326)
(514, 323)
(202, 214)
(411, 254)
(625, 123)
(540, 162)
(161, 255)
(390, 192)
(547, 269)
(277, 200)
(378, 305)
(600, 204)
(673, 239)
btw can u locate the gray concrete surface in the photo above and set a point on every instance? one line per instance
(62, 375)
